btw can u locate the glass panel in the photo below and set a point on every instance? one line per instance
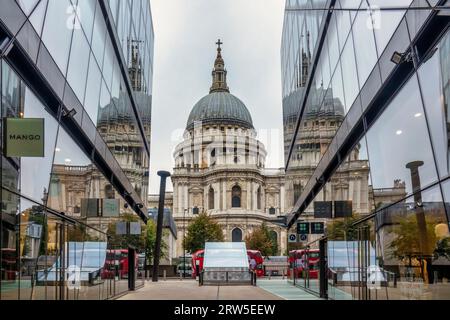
(37, 18)
(93, 94)
(78, 65)
(434, 78)
(99, 37)
(349, 73)
(27, 5)
(413, 239)
(57, 32)
(446, 189)
(19, 101)
(226, 255)
(398, 167)
(366, 54)
(85, 13)
(386, 22)
(10, 280)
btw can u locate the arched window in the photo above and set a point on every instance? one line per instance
(236, 195)
(109, 192)
(196, 211)
(272, 211)
(213, 157)
(297, 192)
(211, 199)
(259, 198)
(236, 235)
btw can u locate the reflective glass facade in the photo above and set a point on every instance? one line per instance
(85, 67)
(368, 138)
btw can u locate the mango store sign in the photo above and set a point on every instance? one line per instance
(24, 137)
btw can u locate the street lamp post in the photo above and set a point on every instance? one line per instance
(184, 244)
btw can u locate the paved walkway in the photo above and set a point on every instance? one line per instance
(284, 290)
(190, 290)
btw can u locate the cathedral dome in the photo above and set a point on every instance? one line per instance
(220, 106)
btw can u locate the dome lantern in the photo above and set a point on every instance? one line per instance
(220, 107)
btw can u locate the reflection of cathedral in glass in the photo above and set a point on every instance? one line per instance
(118, 126)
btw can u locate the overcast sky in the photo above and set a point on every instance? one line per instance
(185, 50)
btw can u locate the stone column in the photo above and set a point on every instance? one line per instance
(249, 195)
(175, 201)
(224, 195)
(186, 197)
(282, 199)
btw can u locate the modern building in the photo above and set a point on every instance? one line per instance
(76, 76)
(365, 99)
(220, 168)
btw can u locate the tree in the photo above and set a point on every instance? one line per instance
(261, 240)
(407, 239)
(343, 229)
(202, 229)
(150, 241)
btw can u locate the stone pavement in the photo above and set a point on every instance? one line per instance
(284, 290)
(190, 290)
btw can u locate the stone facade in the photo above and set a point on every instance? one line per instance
(220, 169)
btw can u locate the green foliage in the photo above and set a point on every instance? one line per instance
(201, 230)
(343, 229)
(407, 240)
(261, 240)
(442, 249)
(150, 241)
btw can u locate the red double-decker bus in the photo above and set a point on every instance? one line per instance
(116, 264)
(197, 263)
(257, 266)
(302, 260)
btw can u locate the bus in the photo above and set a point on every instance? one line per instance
(302, 260)
(197, 263)
(258, 265)
(199, 256)
(116, 264)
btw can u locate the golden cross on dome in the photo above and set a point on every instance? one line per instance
(219, 43)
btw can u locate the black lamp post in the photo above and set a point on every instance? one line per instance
(159, 230)
(184, 244)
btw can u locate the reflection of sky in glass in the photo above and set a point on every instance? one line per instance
(226, 255)
(38, 169)
(67, 149)
(87, 256)
(399, 137)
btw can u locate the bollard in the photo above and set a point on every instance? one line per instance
(165, 275)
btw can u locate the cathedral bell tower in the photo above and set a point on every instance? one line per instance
(219, 73)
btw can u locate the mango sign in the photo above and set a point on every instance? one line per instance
(24, 137)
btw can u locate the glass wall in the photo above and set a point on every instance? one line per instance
(64, 226)
(46, 255)
(385, 203)
(100, 79)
